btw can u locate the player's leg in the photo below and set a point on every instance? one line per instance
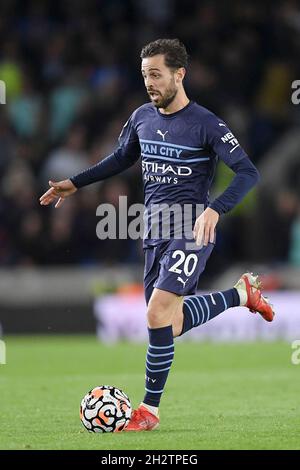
(166, 317)
(168, 270)
(175, 274)
(162, 308)
(161, 311)
(199, 309)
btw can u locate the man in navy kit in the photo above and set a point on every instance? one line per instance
(179, 143)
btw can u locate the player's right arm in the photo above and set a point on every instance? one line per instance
(58, 190)
(127, 153)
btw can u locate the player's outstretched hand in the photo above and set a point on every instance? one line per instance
(205, 225)
(58, 190)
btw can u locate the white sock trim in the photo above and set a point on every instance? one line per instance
(151, 409)
(243, 296)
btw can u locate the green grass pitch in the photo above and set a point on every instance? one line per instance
(218, 396)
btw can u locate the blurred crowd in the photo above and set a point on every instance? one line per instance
(72, 74)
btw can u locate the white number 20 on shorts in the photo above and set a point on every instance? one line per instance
(189, 263)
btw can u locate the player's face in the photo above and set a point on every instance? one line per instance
(160, 81)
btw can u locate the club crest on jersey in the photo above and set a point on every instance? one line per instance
(159, 132)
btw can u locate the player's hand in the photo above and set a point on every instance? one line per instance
(205, 225)
(58, 190)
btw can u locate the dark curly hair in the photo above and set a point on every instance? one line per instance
(173, 50)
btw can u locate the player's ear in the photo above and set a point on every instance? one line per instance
(180, 74)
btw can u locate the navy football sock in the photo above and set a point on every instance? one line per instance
(159, 360)
(200, 309)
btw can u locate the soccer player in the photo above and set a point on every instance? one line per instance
(179, 143)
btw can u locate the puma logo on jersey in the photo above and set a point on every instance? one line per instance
(159, 132)
(182, 281)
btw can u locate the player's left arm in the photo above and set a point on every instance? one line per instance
(221, 141)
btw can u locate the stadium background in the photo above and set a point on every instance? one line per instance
(72, 75)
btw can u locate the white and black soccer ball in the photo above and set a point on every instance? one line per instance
(105, 409)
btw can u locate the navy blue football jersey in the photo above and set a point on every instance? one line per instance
(179, 153)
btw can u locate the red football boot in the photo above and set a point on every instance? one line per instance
(249, 289)
(142, 420)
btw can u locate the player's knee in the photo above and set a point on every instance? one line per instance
(154, 316)
(158, 312)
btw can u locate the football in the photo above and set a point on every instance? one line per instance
(105, 409)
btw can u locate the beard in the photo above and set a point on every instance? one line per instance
(163, 101)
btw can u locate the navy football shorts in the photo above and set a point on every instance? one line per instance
(172, 267)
